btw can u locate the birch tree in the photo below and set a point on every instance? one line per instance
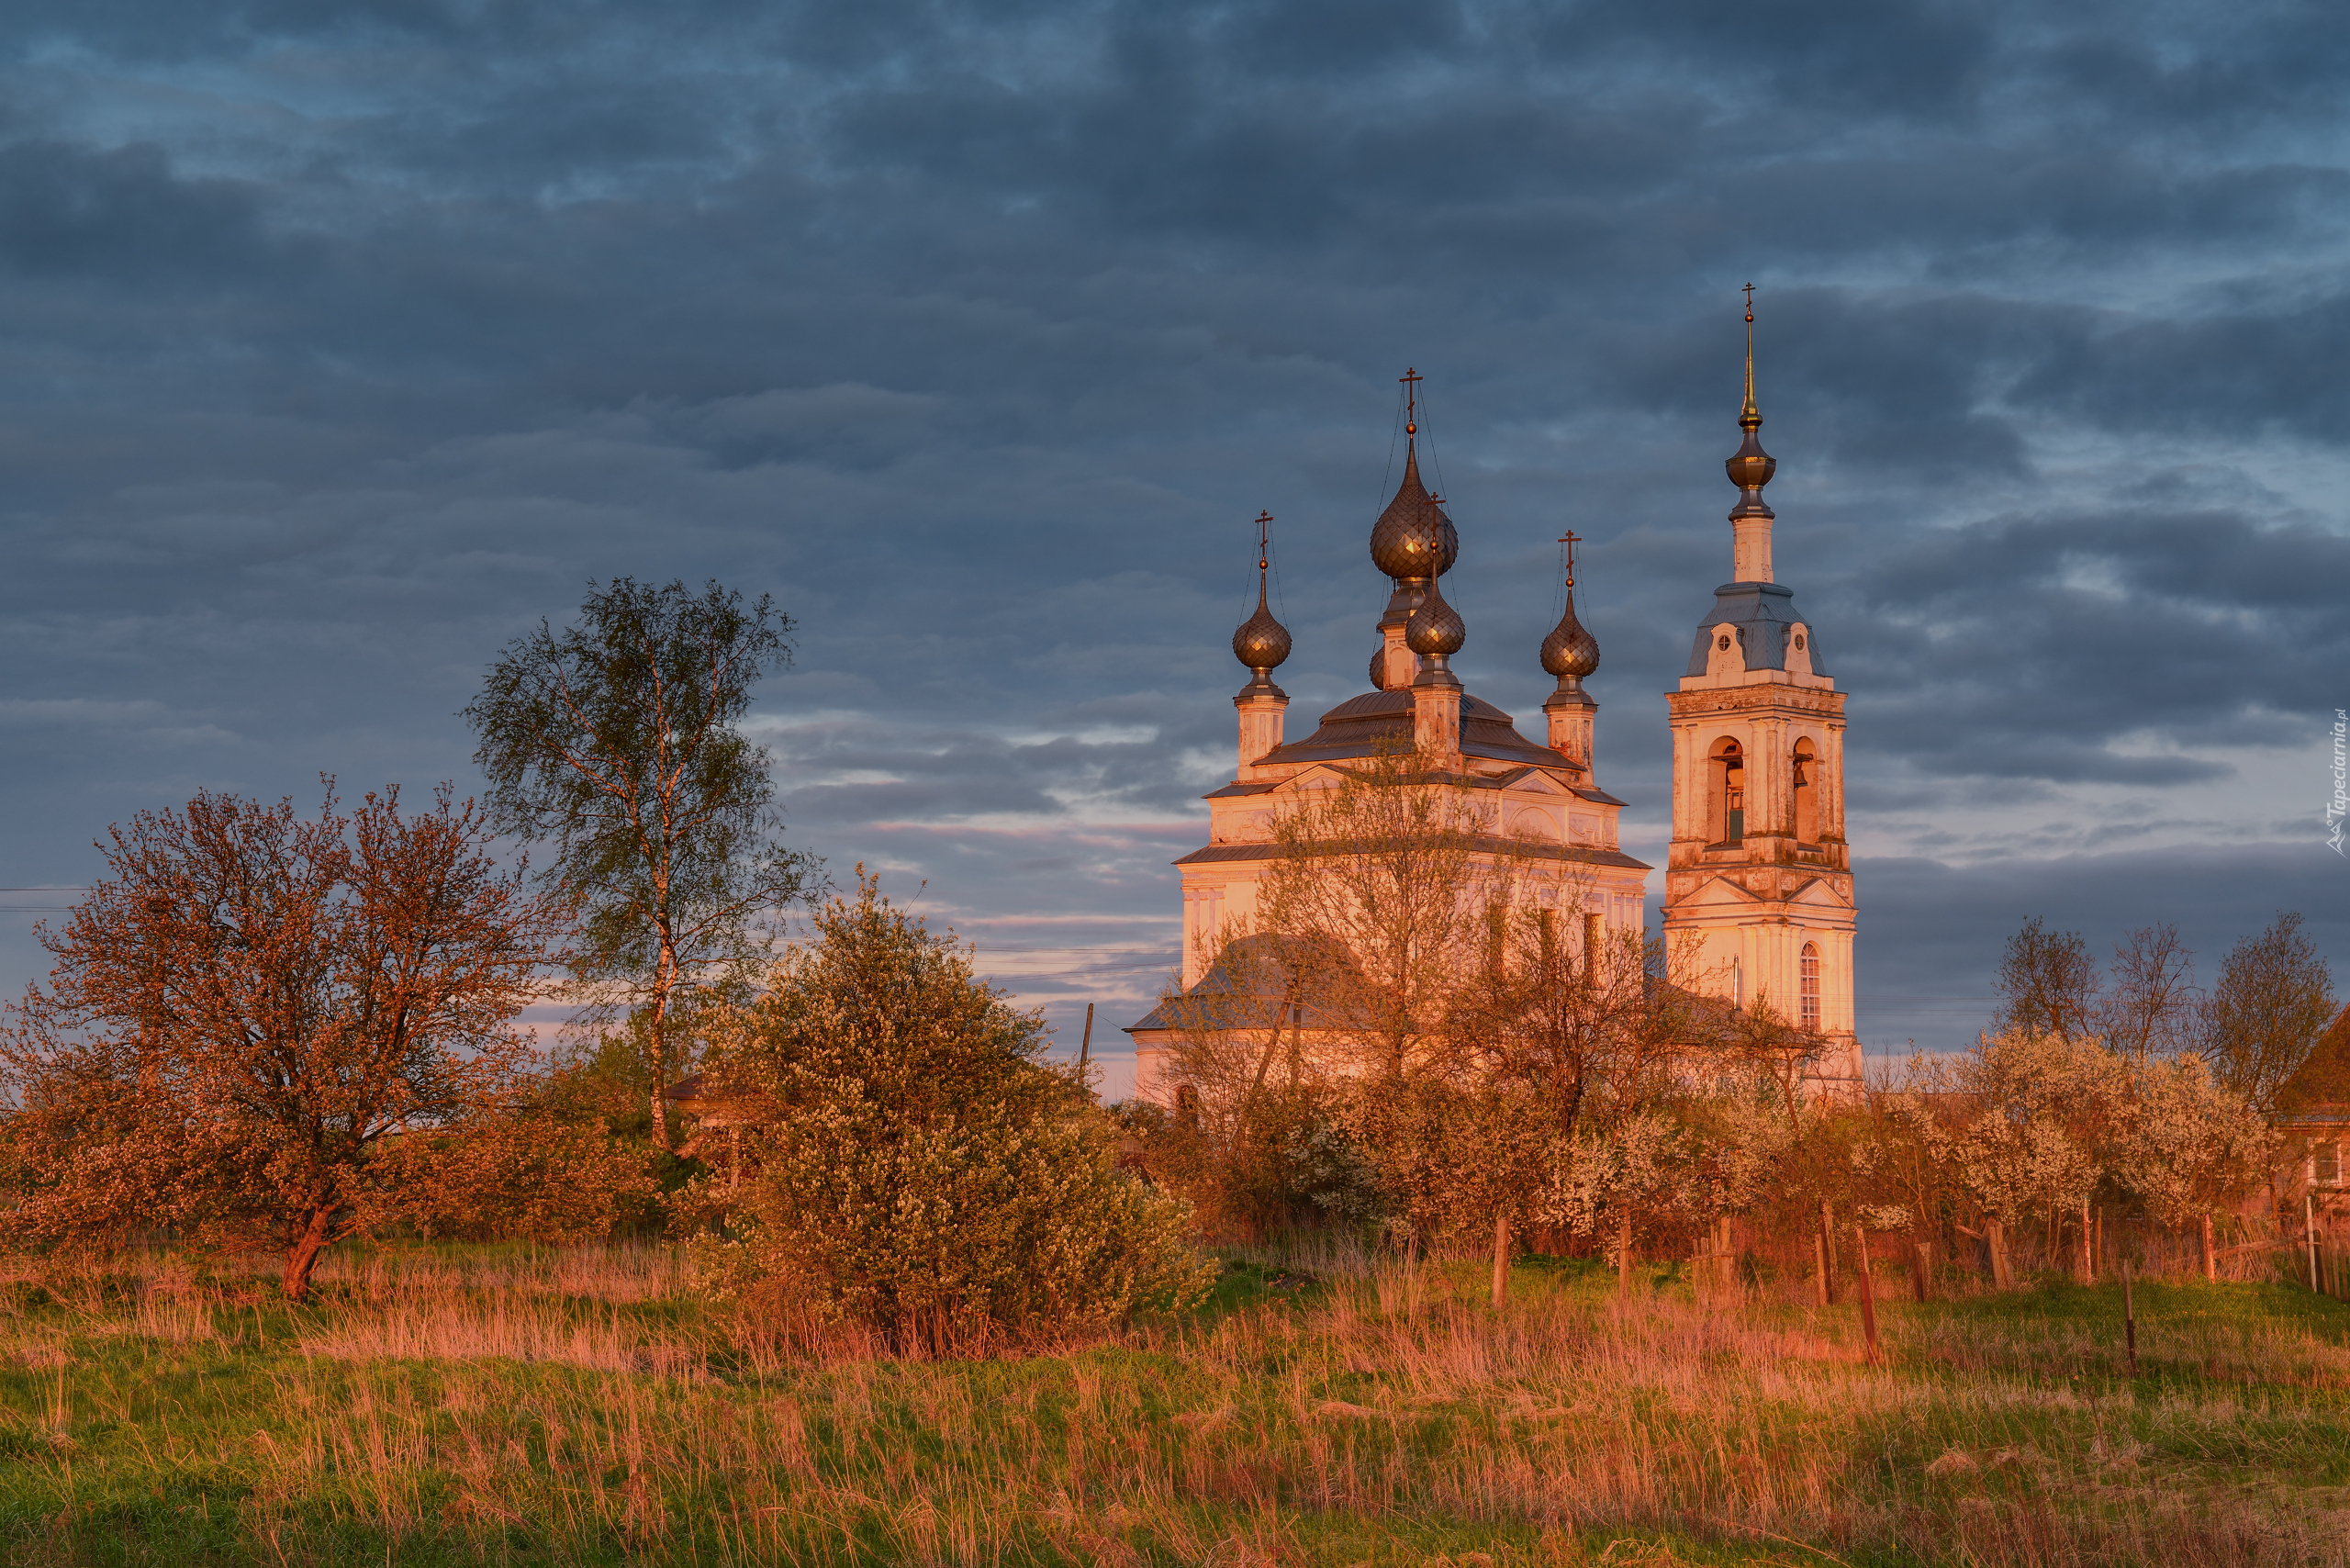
(619, 741)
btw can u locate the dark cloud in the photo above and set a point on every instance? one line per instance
(339, 342)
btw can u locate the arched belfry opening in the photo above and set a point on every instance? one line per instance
(1727, 813)
(1804, 782)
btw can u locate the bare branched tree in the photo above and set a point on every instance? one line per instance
(251, 1009)
(2149, 1006)
(2273, 997)
(2048, 984)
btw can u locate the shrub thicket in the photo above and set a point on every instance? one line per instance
(913, 1165)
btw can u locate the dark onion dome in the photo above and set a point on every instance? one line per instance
(1379, 668)
(1436, 629)
(1413, 538)
(1752, 467)
(1569, 651)
(1262, 642)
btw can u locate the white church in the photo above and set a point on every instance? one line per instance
(1758, 886)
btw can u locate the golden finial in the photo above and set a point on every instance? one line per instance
(1750, 411)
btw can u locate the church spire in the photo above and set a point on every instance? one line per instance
(1750, 469)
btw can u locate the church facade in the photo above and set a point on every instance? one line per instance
(1758, 896)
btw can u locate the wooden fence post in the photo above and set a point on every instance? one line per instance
(1501, 1257)
(1868, 1289)
(2309, 1234)
(2129, 1319)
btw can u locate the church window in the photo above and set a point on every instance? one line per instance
(1591, 944)
(1187, 1107)
(1810, 985)
(2328, 1172)
(1798, 642)
(1737, 983)
(1722, 642)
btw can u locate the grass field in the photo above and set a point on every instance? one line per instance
(497, 1407)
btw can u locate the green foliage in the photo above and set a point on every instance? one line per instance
(618, 741)
(918, 1167)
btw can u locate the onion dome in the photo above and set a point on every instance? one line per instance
(1262, 642)
(1413, 538)
(1752, 467)
(1436, 629)
(1378, 668)
(1569, 651)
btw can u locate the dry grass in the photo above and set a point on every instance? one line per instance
(579, 1410)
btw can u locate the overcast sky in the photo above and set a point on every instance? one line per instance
(341, 343)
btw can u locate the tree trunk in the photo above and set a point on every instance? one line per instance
(303, 1256)
(656, 1042)
(1624, 1253)
(2089, 1239)
(1920, 1257)
(1501, 1258)
(2211, 1258)
(1819, 1256)
(2003, 1277)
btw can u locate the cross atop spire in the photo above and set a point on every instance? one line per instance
(1749, 412)
(1570, 539)
(1264, 544)
(1411, 379)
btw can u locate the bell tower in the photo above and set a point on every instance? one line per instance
(1759, 881)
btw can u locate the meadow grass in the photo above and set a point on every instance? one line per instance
(489, 1405)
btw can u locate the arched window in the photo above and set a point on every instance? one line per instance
(1726, 812)
(1187, 1107)
(1806, 792)
(1810, 985)
(1737, 983)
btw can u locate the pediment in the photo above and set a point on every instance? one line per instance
(1320, 775)
(1533, 782)
(1820, 894)
(1720, 891)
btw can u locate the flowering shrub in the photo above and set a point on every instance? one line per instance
(918, 1168)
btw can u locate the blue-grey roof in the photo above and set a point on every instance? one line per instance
(1763, 613)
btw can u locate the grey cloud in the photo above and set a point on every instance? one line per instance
(977, 334)
(122, 213)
